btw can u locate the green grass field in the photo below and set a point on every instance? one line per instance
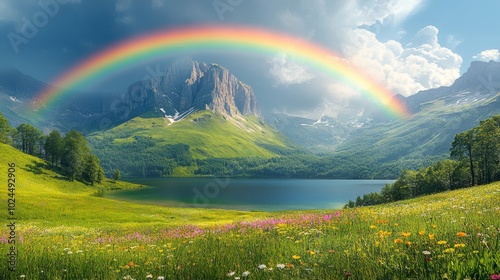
(65, 231)
(208, 134)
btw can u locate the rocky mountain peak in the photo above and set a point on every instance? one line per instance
(480, 75)
(189, 85)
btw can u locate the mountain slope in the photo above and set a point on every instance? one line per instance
(439, 114)
(17, 91)
(201, 135)
(318, 136)
(193, 111)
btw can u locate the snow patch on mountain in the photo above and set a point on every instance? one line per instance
(177, 117)
(14, 99)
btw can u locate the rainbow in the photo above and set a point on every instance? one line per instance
(215, 38)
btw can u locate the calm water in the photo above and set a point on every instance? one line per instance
(249, 194)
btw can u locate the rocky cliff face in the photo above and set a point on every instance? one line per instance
(188, 85)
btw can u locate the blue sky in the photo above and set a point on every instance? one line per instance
(407, 46)
(467, 27)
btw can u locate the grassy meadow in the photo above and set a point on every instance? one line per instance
(66, 231)
(232, 133)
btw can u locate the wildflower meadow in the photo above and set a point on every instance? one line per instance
(453, 235)
(64, 230)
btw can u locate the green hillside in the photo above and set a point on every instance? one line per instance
(45, 199)
(202, 135)
(385, 149)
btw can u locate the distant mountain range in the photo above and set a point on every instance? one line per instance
(17, 91)
(473, 97)
(203, 96)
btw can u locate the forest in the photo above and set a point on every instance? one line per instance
(146, 158)
(474, 159)
(69, 154)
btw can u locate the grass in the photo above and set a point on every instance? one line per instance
(208, 134)
(66, 232)
(46, 199)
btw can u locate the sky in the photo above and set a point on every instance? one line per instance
(406, 46)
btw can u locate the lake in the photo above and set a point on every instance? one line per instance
(248, 194)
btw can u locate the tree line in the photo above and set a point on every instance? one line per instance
(69, 154)
(474, 160)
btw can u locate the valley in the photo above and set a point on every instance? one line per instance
(242, 140)
(204, 116)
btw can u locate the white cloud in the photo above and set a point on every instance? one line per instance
(422, 64)
(426, 36)
(342, 26)
(368, 12)
(122, 5)
(286, 72)
(488, 55)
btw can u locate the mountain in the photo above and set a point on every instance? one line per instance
(318, 136)
(17, 91)
(198, 111)
(481, 82)
(185, 87)
(153, 146)
(188, 84)
(193, 111)
(385, 148)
